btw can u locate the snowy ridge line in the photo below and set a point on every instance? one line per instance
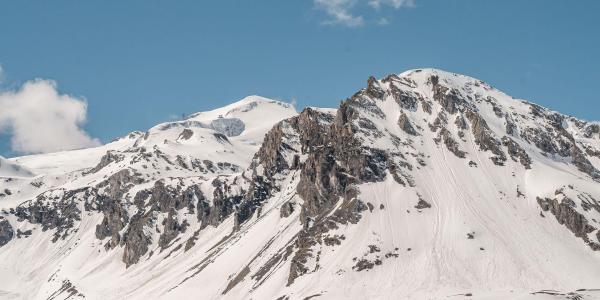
(423, 185)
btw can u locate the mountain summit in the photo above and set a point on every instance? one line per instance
(423, 185)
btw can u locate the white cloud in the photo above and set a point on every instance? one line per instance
(339, 12)
(383, 21)
(41, 120)
(377, 4)
(1, 74)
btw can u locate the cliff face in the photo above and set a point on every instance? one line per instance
(423, 184)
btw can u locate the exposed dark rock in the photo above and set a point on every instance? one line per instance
(535, 110)
(368, 128)
(448, 98)
(260, 190)
(516, 152)
(422, 204)
(186, 134)
(363, 264)
(6, 232)
(366, 104)
(405, 124)
(405, 99)
(440, 121)
(171, 229)
(373, 89)
(426, 106)
(460, 122)
(582, 163)
(485, 138)
(333, 240)
(135, 239)
(191, 242)
(511, 126)
(108, 158)
(540, 139)
(25, 233)
(221, 138)
(591, 130)
(114, 220)
(118, 184)
(373, 249)
(223, 203)
(348, 213)
(164, 198)
(450, 143)
(237, 279)
(370, 206)
(66, 291)
(57, 213)
(566, 215)
(286, 210)
(271, 153)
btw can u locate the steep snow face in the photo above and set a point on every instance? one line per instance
(423, 185)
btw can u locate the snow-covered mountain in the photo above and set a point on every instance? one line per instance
(423, 185)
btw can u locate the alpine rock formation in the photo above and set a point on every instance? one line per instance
(423, 185)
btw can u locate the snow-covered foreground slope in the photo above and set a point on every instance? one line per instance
(424, 185)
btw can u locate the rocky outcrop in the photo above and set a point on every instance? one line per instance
(286, 210)
(373, 89)
(484, 137)
(367, 104)
(52, 212)
(223, 203)
(171, 229)
(108, 158)
(6, 232)
(342, 161)
(451, 144)
(404, 99)
(449, 99)
(114, 220)
(592, 130)
(186, 134)
(422, 204)
(135, 240)
(566, 215)
(405, 124)
(582, 163)
(516, 152)
(329, 175)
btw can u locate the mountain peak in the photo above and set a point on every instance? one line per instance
(419, 176)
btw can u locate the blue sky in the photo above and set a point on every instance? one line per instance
(137, 63)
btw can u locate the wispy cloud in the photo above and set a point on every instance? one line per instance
(348, 12)
(396, 4)
(383, 21)
(338, 12)
(40, 119)
(1, 74)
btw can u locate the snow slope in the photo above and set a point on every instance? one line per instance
(423, 185)
(10, 169)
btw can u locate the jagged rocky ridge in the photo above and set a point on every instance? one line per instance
(324, 178)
